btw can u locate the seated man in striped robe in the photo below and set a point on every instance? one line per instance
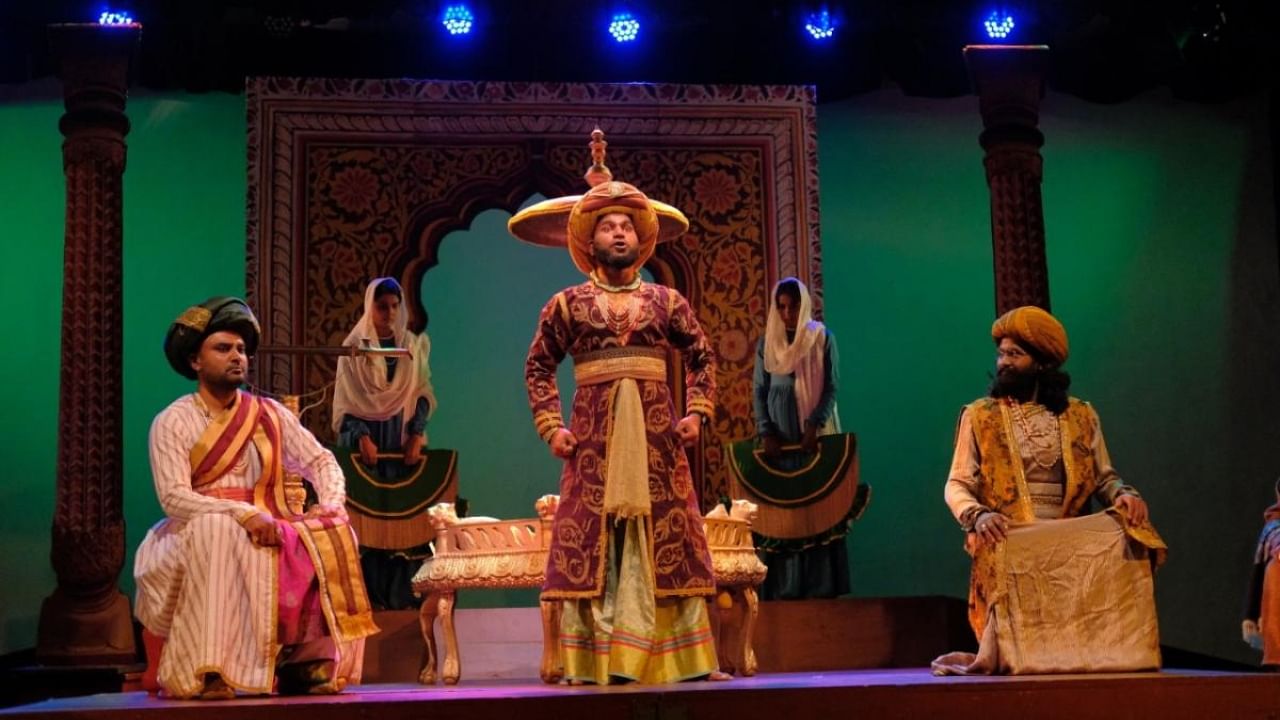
(241, 587)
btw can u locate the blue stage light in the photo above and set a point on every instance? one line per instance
(820, 26)
(624, 27)
(457, 19)
(115, 17)
(998, 25)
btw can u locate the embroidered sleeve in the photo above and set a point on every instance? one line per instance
(549, 346)
(699, 361)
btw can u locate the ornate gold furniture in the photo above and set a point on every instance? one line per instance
(486, 553)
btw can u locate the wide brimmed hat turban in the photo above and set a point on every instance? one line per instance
(1033, 328)
(198, 322)
(571, 221)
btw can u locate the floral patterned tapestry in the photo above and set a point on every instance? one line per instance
(352, 179)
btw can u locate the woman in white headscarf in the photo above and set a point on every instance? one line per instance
(795, 403)
(381, 405)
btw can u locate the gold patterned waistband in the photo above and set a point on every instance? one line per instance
(611, 364)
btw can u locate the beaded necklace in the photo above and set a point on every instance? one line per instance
(618, 305)
(635, 283)
(1044, 443)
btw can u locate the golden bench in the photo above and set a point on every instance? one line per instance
(489, 554)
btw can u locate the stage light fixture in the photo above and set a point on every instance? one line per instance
(820, 25)
(998, 25)
(115, 18)
(457, 19)
(624, 27)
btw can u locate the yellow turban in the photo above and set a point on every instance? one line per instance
(1032, 327)
(605, 198)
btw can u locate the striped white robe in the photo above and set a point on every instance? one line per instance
(202, 584)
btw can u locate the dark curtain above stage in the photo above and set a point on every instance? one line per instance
(1104, 50)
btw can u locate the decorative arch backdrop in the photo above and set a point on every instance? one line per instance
(354, 179)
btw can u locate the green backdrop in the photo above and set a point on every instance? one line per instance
(1162, 248)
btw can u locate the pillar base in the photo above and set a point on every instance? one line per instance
(70, 634)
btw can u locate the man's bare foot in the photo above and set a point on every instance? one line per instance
(215, 688)
(718, 676)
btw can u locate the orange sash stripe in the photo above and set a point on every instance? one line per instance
(344, 600)
(269, 492)
(222, 443)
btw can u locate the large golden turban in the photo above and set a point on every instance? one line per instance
(605, 198)
(572, 220)
(1032, 327)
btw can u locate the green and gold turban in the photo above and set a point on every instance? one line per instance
(198, 322)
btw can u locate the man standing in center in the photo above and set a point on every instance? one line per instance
(628, 556)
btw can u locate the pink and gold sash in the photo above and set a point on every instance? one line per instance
(329, 541)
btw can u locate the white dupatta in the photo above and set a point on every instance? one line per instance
(805, 355)
(361, 388)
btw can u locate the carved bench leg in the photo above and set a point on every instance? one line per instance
(427, 620)
(552, 669)
(723, 626)
(751, 611)
(452, 663)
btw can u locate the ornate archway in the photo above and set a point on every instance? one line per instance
(352, 179)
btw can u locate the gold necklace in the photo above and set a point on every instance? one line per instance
(634, 284)
(619, 312)
(1046, 446)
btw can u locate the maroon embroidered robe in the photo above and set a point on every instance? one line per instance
(577, 322)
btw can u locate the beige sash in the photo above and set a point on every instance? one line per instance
(626, 485)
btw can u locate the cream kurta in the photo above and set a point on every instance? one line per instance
(201, 583)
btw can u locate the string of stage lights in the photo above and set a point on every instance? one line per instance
(624, 26)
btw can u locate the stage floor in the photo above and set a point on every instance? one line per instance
(866, 693)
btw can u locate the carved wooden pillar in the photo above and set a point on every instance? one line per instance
(1009, 81)
(87, 620)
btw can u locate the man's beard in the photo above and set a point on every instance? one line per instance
(1013, 384)
(224, 382)
(606, 257)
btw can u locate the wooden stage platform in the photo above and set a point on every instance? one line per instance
(852, 657)
(906, 693)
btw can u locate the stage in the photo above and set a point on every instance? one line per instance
(902, 693)
(818, 658)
